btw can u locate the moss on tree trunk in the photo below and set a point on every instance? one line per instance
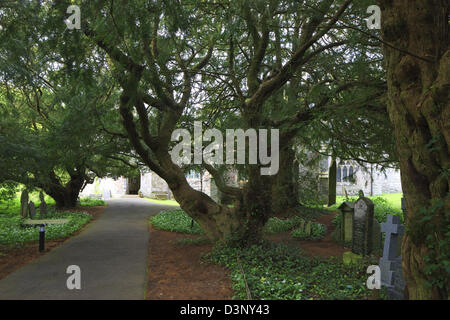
(418, 75)
(285, 186)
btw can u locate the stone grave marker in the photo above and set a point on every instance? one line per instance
(43, 205)
(32, 209)
(377, 239)
(347, 209)
(362, 226)
(391, 262)
(24, 204)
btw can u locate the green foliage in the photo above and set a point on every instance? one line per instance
(316, 232)
(275, 225)
(88, 202)
(53, 105)
(8, 191)
(383, 205)
(12, 206)
(283, 273)
(431, 225)
(163, 202)
(175, 221)
(383, 208)
(13, 234)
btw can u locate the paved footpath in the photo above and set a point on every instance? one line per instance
(112, 253)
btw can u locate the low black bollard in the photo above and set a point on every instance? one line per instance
(41, 238)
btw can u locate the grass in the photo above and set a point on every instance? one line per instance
(13, 234)
(88, 202)
(387, 203)
(163, 202)
(280, 272)
(178, 221)
(12, 207)
(175, 221)
(394, 200)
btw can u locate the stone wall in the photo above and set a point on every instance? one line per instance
(383, 182)
(151, 182)
(146, 184)
(117, 186)
(203, 184)
(391, 181)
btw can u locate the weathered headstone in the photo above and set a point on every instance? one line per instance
(347, 209)
(362, 226)
(43, 205)
(376, 237)
(391, 262)
(24, 204)
(31, 209)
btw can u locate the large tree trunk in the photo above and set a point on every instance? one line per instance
(418, 74)
(285, 187)
(240, 225)
(65, 196)
(332, 173)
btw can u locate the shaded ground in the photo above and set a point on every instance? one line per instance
(176, 272)
(12, 259)
(115, 252)
(322, 248)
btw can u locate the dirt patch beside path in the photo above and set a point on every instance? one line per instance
(15, 258)
(176, 271)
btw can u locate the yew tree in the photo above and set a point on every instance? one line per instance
(417, 56)
(54, 110)
(165, 54)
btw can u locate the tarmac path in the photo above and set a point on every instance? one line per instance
(112, 254)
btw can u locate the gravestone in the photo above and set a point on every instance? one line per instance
(107, 195)
(362, 226)
(377, 240)
(391, 262)
(32, 209)
(43, 205)
(24, 204)
(347, 209)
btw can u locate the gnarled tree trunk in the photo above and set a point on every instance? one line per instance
(418, 73)
(285, 187)
(332, 175)
(65, 196)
